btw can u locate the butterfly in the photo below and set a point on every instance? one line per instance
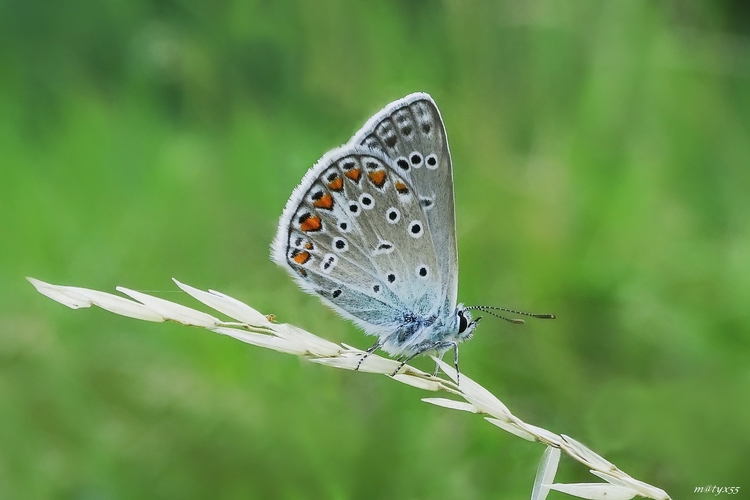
(371, 230)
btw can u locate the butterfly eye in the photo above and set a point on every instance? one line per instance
(463, 323)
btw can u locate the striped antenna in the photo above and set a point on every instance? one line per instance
(515, 321)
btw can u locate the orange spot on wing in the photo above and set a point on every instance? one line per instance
(377, 178)
(325, 201)
(336, 184)
(301, 257)
(310, 223)
(353, 174)
(309, 245)
(401, 188)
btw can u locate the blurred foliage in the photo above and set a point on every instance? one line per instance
(601, 166)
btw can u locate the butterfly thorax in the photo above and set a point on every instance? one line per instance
(418, 334)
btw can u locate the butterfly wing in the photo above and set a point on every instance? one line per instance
(355, 233)
(411, 133)
(371, 227)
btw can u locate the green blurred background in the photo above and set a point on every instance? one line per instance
(601, 166)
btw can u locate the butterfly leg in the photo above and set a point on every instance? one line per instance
(369, 351)
(437, 366)
(437, 346)
(409, 359)
(455, 360)
(442, 347)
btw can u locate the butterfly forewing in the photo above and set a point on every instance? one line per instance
(411, 133)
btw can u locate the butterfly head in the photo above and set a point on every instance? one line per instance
(465, 324)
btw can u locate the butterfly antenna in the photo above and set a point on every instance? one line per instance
(489, 309)
(515, 321)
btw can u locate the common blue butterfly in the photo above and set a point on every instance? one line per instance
(371, 230)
